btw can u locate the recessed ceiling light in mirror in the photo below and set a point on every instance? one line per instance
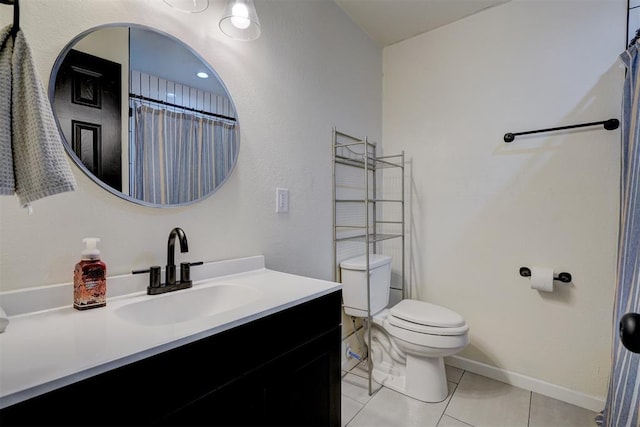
(189, 6)
(202, 75)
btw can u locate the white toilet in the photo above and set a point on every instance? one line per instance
(408, 340)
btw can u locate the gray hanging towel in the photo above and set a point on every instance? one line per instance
(40, 162)
(7, 180)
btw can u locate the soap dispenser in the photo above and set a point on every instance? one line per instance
(90, 278)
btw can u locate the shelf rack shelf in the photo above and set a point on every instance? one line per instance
(354, 152)
(373, 238)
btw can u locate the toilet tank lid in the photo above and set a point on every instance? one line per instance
(360, 262)
(424, 313)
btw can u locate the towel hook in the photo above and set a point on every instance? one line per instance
(16, 15)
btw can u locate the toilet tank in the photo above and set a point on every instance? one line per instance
(354, 284)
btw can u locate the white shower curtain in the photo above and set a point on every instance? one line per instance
(179, 157)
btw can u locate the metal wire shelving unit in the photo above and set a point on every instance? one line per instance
(354, 152)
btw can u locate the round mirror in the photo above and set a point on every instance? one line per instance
(144, 116)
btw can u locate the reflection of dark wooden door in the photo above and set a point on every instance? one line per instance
(87, 103)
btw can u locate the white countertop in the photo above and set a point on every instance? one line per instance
(47, 349)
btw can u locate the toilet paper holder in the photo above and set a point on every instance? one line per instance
(562, 277)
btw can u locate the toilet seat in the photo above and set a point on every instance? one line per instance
(439, 340)
(425, 318)
(429, 330)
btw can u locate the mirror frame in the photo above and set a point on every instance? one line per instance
(78, 162)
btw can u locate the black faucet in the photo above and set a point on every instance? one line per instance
(171, 264)
(155, 287)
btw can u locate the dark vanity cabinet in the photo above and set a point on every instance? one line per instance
(280, 370)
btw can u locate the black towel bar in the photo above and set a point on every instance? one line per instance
(610, 124)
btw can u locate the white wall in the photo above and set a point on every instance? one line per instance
(481, 208)
(290, 88)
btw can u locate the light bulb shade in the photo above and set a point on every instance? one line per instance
(189, 6)
(240, 20)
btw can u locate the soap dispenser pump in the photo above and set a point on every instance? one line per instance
(90, 278)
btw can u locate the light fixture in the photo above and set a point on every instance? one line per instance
(189, 6)
(202, 75)
(240, 20)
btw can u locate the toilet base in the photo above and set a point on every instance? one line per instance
(423, 378)
(410, 362)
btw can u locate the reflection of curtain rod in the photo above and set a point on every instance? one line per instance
(144, 98)
(610, 124)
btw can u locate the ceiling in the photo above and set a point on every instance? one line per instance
(391, 21)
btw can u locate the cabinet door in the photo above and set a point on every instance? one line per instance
(298, 388)
(302, 388)
(239, 403)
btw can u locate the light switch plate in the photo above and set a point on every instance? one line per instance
(282, 200)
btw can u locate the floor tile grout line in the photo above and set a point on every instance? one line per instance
(369, 396)
(354, 416)
(457, 419)
(444, 412)
(447, 405)
(451, 398)
(357, 412)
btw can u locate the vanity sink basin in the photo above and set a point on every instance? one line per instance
(186, 305)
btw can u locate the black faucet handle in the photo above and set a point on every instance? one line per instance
(185, 272)
(155, 276)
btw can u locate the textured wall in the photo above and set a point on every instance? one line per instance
(481, 208)
(290, 88)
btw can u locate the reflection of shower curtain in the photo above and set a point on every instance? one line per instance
(179, 157)
(623, 400)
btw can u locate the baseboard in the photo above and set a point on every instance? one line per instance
(573, 397)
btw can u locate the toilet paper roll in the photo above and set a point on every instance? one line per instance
(542, 279)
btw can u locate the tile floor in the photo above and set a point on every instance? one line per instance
(473, 400)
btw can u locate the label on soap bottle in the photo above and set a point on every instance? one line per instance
(90, 285)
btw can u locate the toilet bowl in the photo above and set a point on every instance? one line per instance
(408, 340)
(408, 356)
